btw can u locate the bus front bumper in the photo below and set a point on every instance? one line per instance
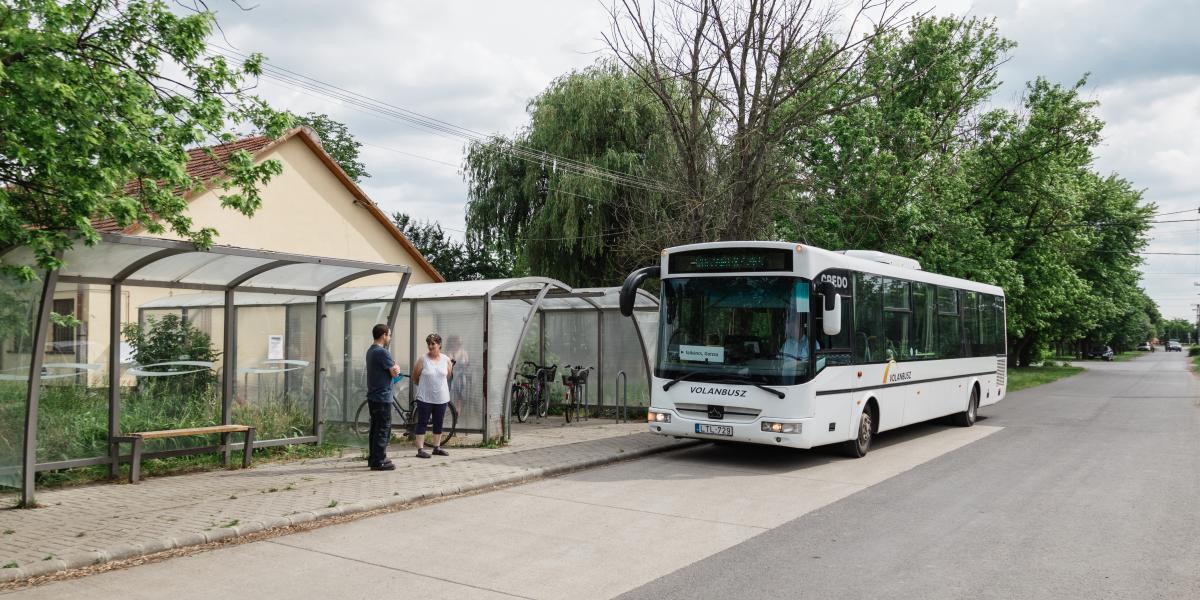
(793, 433)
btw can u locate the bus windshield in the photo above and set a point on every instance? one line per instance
(748, 329)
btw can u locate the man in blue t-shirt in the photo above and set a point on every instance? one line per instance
(380, 371)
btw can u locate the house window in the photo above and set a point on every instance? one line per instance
(62, 339)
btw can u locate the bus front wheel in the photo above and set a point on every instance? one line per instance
(967, 417)
(861, 444)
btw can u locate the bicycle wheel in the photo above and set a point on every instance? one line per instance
(543, 404)
(449, 429)
(521, 404)
(569, 409)
(361, 426)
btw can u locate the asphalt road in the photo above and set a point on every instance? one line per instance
(1085, 488)
(1091, 490)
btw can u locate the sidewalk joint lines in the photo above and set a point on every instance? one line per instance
(398, 569)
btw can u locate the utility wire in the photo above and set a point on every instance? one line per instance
(297, 80)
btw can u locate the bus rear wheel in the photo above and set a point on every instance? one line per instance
(967, 417)
(861, 444)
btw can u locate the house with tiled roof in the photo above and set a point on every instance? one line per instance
(311, 208)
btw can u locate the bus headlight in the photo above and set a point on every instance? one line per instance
(771, 427)
(658, 417)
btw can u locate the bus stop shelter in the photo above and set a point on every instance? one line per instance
(490, 328)
(61, 382)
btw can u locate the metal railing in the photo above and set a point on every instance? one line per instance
(622, 397)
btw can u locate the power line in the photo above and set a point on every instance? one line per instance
(297, 80)
(1190, 210)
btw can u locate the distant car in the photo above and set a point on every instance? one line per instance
(1145, 347)
(1174, 346)
(1101, 352)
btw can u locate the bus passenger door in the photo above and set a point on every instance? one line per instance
(834, 380)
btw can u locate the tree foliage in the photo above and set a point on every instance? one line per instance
(733, 80)
(96, 95)
(889, 146)
(578, 224)
(456, 261)
(337, 140)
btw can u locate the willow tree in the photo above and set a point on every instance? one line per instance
(568, 196)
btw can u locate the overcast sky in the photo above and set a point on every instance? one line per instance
(476, 64)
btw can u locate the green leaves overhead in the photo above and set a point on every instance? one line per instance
(99, 102)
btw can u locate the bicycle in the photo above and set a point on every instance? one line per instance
(531, 397)
(408, 417)
(574, 382)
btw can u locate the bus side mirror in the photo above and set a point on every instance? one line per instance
(630, 287)
(831, 310)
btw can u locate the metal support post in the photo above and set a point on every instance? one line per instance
(318, 372)
(34, 390)
(599, 362)
(229, 374)
(114, 379)
(347, 369)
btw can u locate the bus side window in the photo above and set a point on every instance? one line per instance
(949, 323)
(868, 339)
(924, 315)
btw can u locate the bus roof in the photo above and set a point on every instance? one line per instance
(813, 260)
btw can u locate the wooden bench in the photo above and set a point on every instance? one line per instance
(136, 439)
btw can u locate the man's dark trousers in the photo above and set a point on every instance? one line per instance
(381, 432)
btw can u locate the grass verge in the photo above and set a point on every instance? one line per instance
(1021, 378)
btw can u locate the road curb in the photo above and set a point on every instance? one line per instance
(126, 551)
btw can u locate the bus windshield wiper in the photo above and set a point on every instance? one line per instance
(725, 378)
(669, 384)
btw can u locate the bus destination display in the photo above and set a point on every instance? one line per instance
(731, 260)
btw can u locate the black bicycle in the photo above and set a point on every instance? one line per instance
(574, 396)
(407, 420)
(531, 396)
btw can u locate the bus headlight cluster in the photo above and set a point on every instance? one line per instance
(658, 417)
(770, 427)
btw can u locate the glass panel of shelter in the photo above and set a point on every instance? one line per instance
(73, 405)
(19, 302)
(172, 364)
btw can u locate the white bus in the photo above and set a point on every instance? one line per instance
(791, 345)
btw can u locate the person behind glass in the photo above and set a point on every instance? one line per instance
(381, 369)
(462, 370)
(432, 373)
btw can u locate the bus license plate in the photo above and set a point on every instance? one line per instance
(714, 429)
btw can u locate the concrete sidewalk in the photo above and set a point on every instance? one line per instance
(78, 527)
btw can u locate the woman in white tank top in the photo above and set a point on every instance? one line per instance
(432, 373)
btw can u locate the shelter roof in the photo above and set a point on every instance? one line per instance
(153, 262)
(562, 297)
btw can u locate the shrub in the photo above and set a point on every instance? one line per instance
(1194, 351)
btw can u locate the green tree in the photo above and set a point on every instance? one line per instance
(456, 261)
(99, 101)
(582, 222)
(337, 140)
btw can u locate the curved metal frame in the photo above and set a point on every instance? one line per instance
(167, 249)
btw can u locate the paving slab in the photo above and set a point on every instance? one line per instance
(87, 525)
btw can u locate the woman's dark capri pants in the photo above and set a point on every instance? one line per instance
(424, 409)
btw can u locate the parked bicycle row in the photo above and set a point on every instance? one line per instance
(531, 396)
